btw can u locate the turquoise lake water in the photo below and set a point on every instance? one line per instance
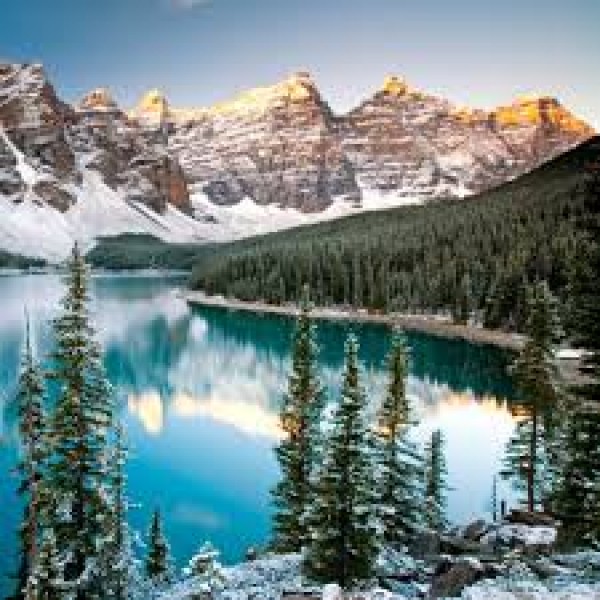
(199, 391)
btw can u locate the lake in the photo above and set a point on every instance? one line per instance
(199, 391)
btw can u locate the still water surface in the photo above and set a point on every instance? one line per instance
(199, 391)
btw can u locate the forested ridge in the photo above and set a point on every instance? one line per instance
(472, 258)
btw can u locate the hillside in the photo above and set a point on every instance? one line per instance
(463, 257)
(143, 251)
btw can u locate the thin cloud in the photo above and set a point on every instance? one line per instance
(187, 4)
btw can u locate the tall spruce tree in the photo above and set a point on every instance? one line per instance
(399, 465)
(79, 429)
(118, 555)
(45, 582)
(300, 420)
(342, 545)
(577, 491)
(34, 451)
(528, 462)
(158, 560)
(436, 483)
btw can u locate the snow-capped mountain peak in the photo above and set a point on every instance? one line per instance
(270, 157)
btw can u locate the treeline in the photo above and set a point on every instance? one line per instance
(16, 261)
(131, 251)
(470, 258)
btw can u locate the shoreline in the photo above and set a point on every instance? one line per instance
(430, 325)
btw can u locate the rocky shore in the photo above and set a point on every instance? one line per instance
(434, 325)
(515, 559)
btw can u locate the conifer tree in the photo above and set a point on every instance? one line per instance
(158, 560)
(300, 420)
(118, 557)
(342, 545)
(577, 491)
(529, 452)
(45, 581)
(30, 399)
(205, 567)
(399, 465)
(436, 482)
(80, 425)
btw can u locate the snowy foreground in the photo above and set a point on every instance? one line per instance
(570, 577)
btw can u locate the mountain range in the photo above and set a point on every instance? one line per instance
(270, 158)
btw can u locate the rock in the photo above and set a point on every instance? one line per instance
(529, 540)
(277, 145)
(332, 591)
(282, 144)
(397, 566)
(451, 583)
(425, 544)
(251, 554)
(457, 545)
(54, 195)
(545, 569)
(475, 530)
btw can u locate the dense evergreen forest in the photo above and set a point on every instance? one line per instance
(144, 251)
(471, 258)
(15, 261)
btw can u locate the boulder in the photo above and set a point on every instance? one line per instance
(426, 543)
(450, 584)
(475, 531)
(332, 591)
(457, 546)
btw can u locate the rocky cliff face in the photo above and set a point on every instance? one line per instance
(282, 145)
(270, 158)
(276, 145)
(55, 142)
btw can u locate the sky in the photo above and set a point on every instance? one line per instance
(477, 53)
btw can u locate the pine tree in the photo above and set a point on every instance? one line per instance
(297, 453)
(399, 465)
(436, 484)
(342, 545)
(45, 580)
(577, 491)
(79, 434)
(530, 449)
(30, 399)
(118, 556)
(158, 560)
(205, 567)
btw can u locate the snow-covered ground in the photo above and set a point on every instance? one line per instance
(268, 578)
(247, 218)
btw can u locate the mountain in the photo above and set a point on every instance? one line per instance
(270, 158)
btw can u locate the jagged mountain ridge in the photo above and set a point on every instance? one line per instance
(271, 158)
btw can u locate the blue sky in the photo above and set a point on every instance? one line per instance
(474, 52)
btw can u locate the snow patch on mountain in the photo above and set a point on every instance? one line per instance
(33, 228)
(247, 218)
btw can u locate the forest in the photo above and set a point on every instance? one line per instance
(472, 259)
